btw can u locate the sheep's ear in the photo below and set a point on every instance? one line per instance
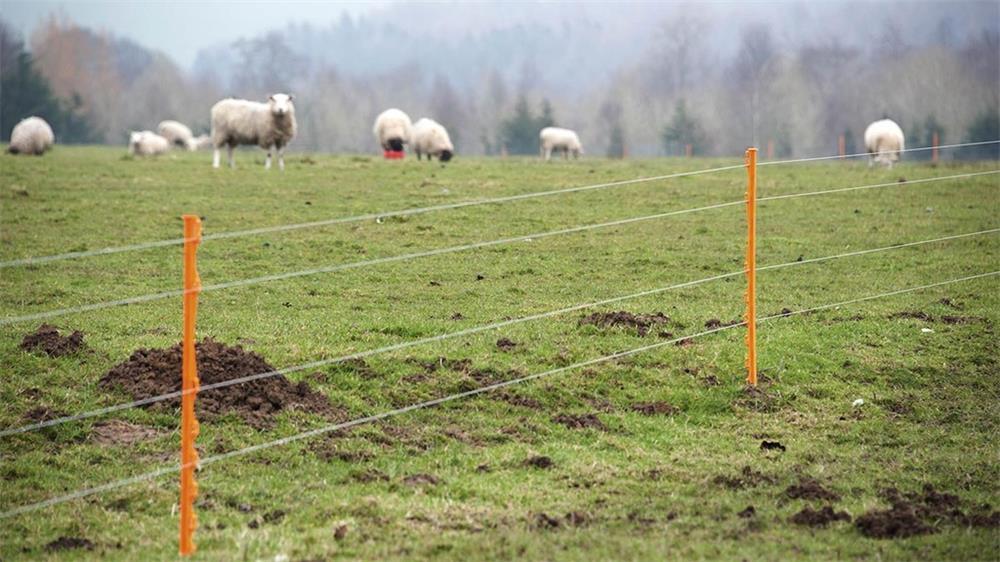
(271, 97)
(290, 97)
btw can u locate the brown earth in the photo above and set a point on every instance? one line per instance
(640, 322)
(655, 408)
(819, 518)
(153, 372)
(746, 478)
(919, 513)
(49, 341)
(118, 432)
(582, 421)
(810, 489)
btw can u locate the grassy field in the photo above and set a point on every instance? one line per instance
(507, 475)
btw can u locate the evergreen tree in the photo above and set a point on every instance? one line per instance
(682, 131)
(520, 132)
(986, 127)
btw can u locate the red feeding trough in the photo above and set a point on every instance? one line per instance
(394, 154)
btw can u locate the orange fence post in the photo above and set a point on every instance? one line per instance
(751, 266)
(189, 386)
(688, 150)
(842, 146)
(934, 147)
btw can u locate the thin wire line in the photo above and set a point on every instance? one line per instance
(353, 265)
(343, 220)
(465, 332)
(452, 397)
(856, 154)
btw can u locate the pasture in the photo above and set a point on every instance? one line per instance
(662, 454)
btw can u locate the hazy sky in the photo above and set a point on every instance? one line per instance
(181, 27)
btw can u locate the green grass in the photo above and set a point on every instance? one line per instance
(646, 486)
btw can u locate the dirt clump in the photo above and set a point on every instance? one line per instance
(582, 421)
(912, 315)
(421, 479)
(505, 344)
(810, 489)
(545, 521)
(577, 519)
(819, 518)
(714, 323)
(959, 319)
(48, 340)
(539, 461)
(118, 432)
(153, 372)
(766, 445)
(655, 408)
(922, 512)
(517, 400)
(69, 543)
(371, 475)
(745, 478)
(900, 521)
(747, 513)
(640, 322)
(42, 414)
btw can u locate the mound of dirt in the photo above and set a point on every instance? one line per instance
(152, 372)
(809, 489)
(49, 341)
(920, 513)
(583, 421)
(641, 322)
(821, 518)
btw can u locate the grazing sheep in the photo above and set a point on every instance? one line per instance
(236, 122)
(884, 140)
(393, 129)
(202, 142)
(555, 138)
(177, 133)
(431, 138)
(31, 136)
(147, 143)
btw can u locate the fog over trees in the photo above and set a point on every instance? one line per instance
(632, 79)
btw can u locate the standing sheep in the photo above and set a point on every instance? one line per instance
(884, 140)
(431, 138)
(177, 133)
(237, 122)
(393, 129)
(31, 136)
(555, 138)
(147, 143)
(202, 142)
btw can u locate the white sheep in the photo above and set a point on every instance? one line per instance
(884, 140)
(177, 133)
(237, 122)
(393, 129)
(555, 138)
(147, 143)
(202, 142)
(431, 138)
(31, 136)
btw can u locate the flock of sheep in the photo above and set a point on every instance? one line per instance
(271, 126)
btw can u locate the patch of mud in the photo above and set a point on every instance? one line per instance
(42, 414)
(582, 421)
(47, 339)
(153, 372)
(640, 322)
(69, 543)
(517, 400)
(745, 478)
(371, 475)
(504, 344)
(921, 513)
(655, 409)
(421, 480)
(757, 398)
(539, 461)
(810, 489)
(747, 513)
(912, 315)
(714, 323)
(819, 518)
(118, 432)
(766, 445)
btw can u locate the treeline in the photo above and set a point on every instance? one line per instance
(680, 95)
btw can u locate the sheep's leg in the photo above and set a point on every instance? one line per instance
(232, 162)
(267, 161)
(215, 158)
(281, 158)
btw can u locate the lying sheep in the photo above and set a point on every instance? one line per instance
(884, 140)
(147, 143)
(393, 129)
(237, 122)
(177, 134)
(31, 136)
(202, 142)
(555, 138)
(431, 138)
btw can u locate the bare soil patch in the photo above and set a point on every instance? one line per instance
(810, 489)
(641, 323)
(118, 432)
(655, 408)
(581, 421)
(819, 518)
(47, 339)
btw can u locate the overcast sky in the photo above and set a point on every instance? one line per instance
(180, 27)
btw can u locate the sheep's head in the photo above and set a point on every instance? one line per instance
(281, 104)
(445, 155)
(396, 144)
